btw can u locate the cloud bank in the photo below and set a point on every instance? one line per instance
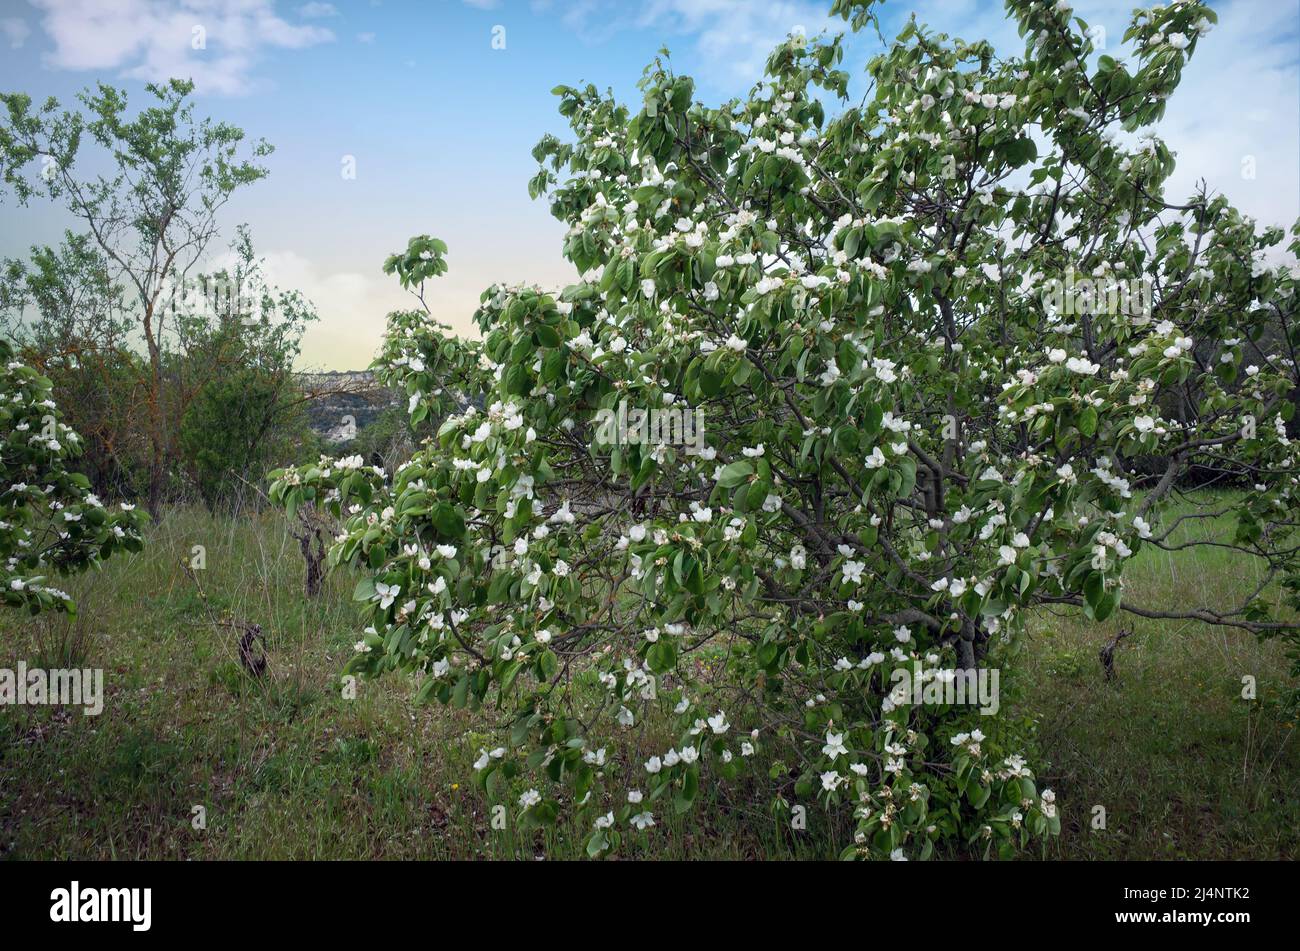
(216, 43)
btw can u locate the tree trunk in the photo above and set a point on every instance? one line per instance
(311, 539)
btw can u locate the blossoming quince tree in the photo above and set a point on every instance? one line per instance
(919, 426)
(50, 521)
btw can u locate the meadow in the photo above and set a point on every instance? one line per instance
(286, 768)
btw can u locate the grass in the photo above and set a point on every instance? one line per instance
(1183, 765)
(286, 768)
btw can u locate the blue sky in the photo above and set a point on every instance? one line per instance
(440, 123)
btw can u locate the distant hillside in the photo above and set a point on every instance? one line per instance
(348, 400)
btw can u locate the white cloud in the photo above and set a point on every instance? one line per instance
(214, 42)
(365, 37)
(735, 37)
(314, 10)
(732, 37)
(15, 31)
(583, 18)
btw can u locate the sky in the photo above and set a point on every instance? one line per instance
(436, 104)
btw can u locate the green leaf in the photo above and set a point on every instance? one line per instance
(662, 656)
(1088, 421)
(548, 665)
(365, 590)
(448, 521)
(735, 473)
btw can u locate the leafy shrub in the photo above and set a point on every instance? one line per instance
(50, 521)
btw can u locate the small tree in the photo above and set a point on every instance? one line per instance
(930, 341)
(50, 521)
(243, 409)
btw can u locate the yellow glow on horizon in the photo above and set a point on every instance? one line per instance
(351, 327)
